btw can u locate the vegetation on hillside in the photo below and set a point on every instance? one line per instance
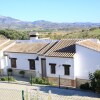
(89, 33)
(53, 34)
(13, 34)
(2, 37)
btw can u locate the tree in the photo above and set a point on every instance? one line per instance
(9, 71)
(13, 34)
(22, 73)
(95, 81)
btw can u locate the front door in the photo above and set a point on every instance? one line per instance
(43, 67)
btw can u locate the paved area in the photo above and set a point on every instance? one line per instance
(14, 91)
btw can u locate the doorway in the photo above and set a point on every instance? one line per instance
(43, 67)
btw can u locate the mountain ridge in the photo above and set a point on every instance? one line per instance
(12, 23)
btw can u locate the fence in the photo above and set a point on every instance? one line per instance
(37, 95)
(10, 94)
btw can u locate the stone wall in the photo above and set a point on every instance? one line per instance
(55, 80)
(63, 82)
(1, 72)
(67, 82)
(28, 73)
(80, 81)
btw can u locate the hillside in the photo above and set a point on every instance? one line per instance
(13, 34)
(90, 33)
(2, 37)
(17, 29)
(11, 23)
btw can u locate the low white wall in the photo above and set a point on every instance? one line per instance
(85, 61)
(59, 67)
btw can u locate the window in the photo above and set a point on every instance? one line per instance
(53, 68)
(13, 62)
(66, 69)
(32, 64)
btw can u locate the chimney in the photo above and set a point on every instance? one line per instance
(33, 35)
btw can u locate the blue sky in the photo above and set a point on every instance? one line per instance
(52, 10)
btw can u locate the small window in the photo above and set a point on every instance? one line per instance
(13, 62)
(32, 64)
(53, 68)
(66, 69)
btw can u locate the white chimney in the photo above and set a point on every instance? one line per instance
(33, 35)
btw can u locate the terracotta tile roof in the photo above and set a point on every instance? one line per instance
(90, 44)
(6, 44)
(49, 46)
(64, 48)
(26, 47)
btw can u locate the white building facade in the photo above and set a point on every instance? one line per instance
(69, 61)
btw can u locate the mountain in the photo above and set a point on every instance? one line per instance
(11, 23)
(52, 25)
(8, 22)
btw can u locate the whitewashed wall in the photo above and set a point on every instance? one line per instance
(59, 67)
(85, 61)
(3, 59)
(22, 60)
(3, 62)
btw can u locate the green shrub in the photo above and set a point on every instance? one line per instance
(3, 79)
(97, 74)
(6, 78)
(95, 81)
(92, 82)
(40, 81)
(9, 71)
(22, 72)
(13, 34)
(98, 86)
(85, 86)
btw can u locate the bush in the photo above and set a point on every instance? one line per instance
(6, 78)
(22, 72)
(13, 34)
(97, 74)
(9, 71)
(95, 81)
(40, 81)
(98, 86)
(85, 86)
(3, 79)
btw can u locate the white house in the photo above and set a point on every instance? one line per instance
(4, 44)
(23, 56)
(69, 61)
(86, 59)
